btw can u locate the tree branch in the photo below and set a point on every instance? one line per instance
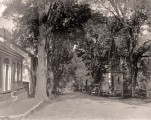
(143, 49)
(109, 10)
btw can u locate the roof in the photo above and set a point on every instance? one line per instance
(6, 49)
(14, 44)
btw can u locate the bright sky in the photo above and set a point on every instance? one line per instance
(2, 8)
(7, 24)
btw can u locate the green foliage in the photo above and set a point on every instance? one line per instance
(70, 16)
(125, 26)
(65, 17)
(114, 25)
(95, 47)
(143, 66)
(57, 25)
(81, 73)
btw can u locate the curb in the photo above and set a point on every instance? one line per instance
(24, 115)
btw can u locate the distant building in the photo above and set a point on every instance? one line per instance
(114, 77)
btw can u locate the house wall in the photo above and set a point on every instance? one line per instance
(29, 67)
(117, 81)
(27, 64)
(105, 85)
(113, 79)
(15, 85)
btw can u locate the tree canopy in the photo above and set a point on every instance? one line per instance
(41, 22)
(103, 31)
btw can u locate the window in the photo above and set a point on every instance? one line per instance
(13, 71)
(6, 75)
(18, 72)
(112, 82)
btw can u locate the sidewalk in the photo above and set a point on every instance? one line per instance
(19, 109)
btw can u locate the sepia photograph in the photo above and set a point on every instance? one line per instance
(75, 59)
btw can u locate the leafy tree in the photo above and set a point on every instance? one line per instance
(82, 74)
(125, 26)
(59, 55)
(95, 49)
(38, 21)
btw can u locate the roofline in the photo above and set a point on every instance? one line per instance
(7, 39)
(9, 51)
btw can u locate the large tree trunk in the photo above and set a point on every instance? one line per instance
(42, 73)
(50, 75)
(147, 88)
(132, 84)
(56, 83)
(51, 84)
(134, 73)
(128, 84)
(42, 67)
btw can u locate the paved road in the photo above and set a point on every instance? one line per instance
(78, 106)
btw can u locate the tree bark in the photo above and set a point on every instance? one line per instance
(51, 84)
(134, 73)
(50, 75)
(41, 88)
(132, 84)
(42, 73)
(55, 84)
(147, 88)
